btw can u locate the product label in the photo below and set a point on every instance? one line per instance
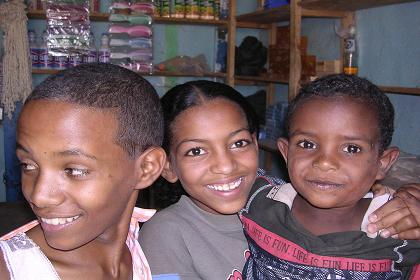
(350, 45)
(104, 56)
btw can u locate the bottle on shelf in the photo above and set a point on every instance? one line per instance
(350, 52)
(92, 55)
(192, 9)
(224, 9)
(33, 48)
(104, 52)
(221, 50)
(45, 59)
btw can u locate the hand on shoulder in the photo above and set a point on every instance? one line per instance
(399, 217)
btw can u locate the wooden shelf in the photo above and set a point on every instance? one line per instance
(400, 90)
(315, 8)
(155, 73)
(261, 79)
(40, 14)
(346, 5)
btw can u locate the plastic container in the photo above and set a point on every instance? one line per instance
(33, 48)
(350, 53)
(104, 52)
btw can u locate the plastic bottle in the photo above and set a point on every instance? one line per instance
(45, 59)
(33, 48)
(224, 9)
(350, 52)
(92, 55)
(104, 52)
(221, 50)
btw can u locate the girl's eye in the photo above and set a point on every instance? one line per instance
(240, 143)
(195, 152)
(27, 167)
(76, 172)
(305, 144)
(352, 149)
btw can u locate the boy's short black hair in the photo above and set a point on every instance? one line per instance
(107, 86)
(343, 85)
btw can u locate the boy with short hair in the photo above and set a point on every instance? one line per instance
(339, 129)
(88, 139)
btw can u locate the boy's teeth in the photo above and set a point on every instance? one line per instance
(59, 221)
(226, 187)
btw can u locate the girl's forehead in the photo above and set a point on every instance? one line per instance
(220, 113)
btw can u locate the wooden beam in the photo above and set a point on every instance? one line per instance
(230, 67)
(295, 55)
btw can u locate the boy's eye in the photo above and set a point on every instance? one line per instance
(27, 167)
(76, 172)
(305, 144)
(352, 149)
(240, 143)
(195, 152)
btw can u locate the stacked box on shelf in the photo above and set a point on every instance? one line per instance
(131, 35)
(327, 67)
(279, 56)
(274, 120)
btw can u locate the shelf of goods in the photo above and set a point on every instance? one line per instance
(103, 17)
(294, 12)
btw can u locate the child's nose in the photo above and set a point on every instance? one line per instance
(325, 161)
(223, 163)
(45, 192)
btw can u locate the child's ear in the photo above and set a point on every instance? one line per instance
(283, 145)
(149, 166)
(386, 160)
(168, 172)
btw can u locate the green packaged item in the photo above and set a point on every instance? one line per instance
(133, 19)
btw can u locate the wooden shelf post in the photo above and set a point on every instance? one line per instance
(295, 55)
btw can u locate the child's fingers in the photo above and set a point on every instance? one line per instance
(379, 189)
(411, 197)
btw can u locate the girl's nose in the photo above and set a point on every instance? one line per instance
(223, 163)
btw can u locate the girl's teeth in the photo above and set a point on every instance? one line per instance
(59, 221)
(226, 187)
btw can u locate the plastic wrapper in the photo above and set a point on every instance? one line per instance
(130, 32)
(68, 27)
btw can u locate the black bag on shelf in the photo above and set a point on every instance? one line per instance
(250, 57)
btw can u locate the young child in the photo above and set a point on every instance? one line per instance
(210, 138)
(211, 142)
(88, 139)
(339, 129)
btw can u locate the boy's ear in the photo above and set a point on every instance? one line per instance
(168, 173)
(149, 166)
(283, 146)
(386, 160)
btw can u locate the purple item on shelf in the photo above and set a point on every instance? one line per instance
(133, 31)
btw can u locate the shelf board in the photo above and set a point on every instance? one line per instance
(40, 14)
(314, 8)
(346, 5)
(156, 73)
(261, 79)
(400, 90)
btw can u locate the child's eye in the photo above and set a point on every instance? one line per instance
(195, 152)
(352, 149)
(27, 167)
(76, 172)
(240, 143)
(305, 144)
